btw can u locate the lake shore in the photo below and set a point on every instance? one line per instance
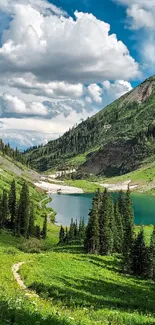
(58, 188)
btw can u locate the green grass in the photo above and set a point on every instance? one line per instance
(86, 186)
(91, 289)
(73, 288)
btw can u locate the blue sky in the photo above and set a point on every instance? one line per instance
(64, 60)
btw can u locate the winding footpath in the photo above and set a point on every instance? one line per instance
(18, 279)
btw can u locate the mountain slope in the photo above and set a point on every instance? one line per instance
(114, 141)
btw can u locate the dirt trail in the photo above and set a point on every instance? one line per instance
(17, 277)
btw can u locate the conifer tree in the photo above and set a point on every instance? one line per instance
(81, 231)
(104, 225)
(61, 235)
(138, 265)
(71, 230)
(31, 229)
(24, 210)
(38, 232)
(66, 236)
(44, 231)
(92, 244)
(12, 203)
(118, 240)
(128, 233)
(112, 226)
(151, 257)
(4, 210)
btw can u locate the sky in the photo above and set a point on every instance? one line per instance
(62, 61)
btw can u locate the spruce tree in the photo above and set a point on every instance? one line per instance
(118, 240)
(104, 225)
(31, 229)
(4, 210)
(24, 210)
(151, 257)
(12, 203)
(38, 232)
(61, 235)
(128, 233)
(92, 244)
(138, 265)
(44, 231)
(71, 231)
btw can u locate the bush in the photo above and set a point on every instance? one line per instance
(32, 245)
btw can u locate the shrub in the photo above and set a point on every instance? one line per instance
(32, 245)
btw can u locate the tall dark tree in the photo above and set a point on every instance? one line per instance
(118, 240)
(24, 210)
(138, 265)
(4, 213)
(104, 225)
(38, 232)
(71, 230)
(128, 232)
(151, 257)
(31, 229)
(61, 235)
(44, 231)
(92, 243)
(12, 203)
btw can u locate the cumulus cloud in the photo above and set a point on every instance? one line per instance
(140, 15)
(43, 6)
(46, 46)
(95, 92)
(53, 66)
(12, 105)
(116, 89)
(54, 89)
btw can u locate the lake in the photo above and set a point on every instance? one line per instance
(75, 206)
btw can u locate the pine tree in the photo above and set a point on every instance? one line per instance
(138, 265)
(151, 257)
(61, 235)
(92, 243)
(4, 210)
(24, 210)
(71, 231)
(112, 231)
(44, 231)
(66, 236)
(81, 229)
(31, 229)
(128, 233)
(118, 240)
(12, 203)
(38, 232)
(104, 225)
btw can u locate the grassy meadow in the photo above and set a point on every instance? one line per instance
(73, 288)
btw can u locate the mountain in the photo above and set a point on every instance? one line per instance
(114, 141)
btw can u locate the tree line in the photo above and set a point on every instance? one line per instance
(18, 215)
(12, 153)
(111, 230)
(74, 234)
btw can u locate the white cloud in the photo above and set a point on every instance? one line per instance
(43, 6)
(95, 92)
(53, 89)
(46, 46)
(13, 105)
(51, 66)
(116, 89)
(140, 16)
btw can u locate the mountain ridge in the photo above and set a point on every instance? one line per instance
(120, 137)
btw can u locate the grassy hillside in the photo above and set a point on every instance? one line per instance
(73, 288)
(114, 141)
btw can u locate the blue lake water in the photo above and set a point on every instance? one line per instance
(75, 206)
